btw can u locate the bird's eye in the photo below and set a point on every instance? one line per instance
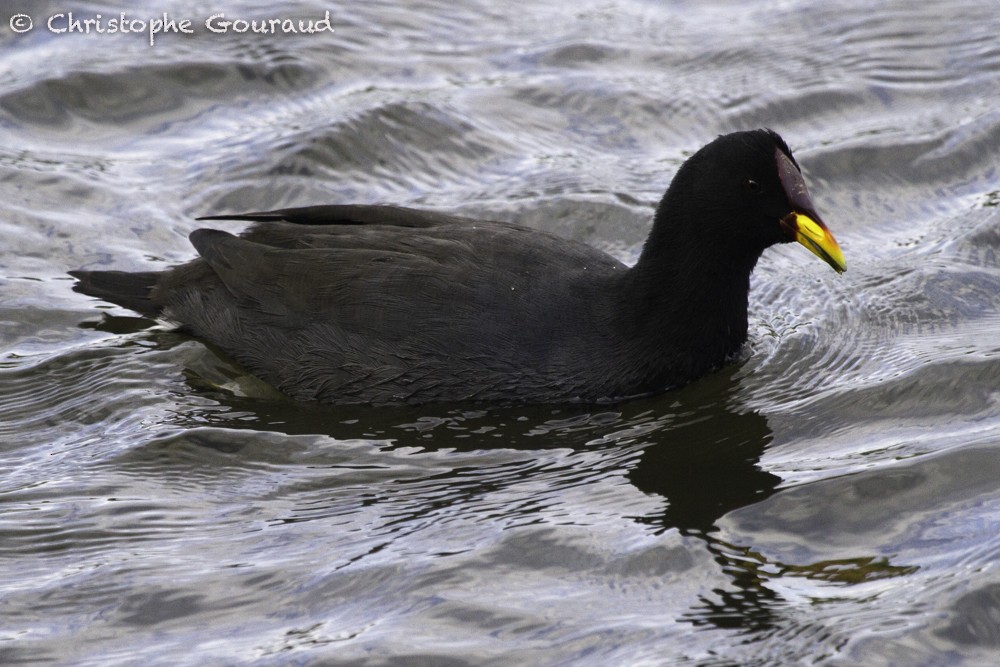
(752, 185)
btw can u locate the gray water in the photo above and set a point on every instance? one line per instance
(832, 498)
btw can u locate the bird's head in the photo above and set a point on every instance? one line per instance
(749, 193)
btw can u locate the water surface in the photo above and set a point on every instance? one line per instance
(832, 498)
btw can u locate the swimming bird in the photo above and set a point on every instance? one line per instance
(384, 304)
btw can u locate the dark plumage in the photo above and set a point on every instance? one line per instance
(382, 304)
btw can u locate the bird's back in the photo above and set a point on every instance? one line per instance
(455, 310)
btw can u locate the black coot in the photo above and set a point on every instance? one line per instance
(382, 304)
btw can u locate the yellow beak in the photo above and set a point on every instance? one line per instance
(815, 236)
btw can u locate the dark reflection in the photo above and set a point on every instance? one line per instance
(706, 467)
(696, 450)
(693, 447)
(753, 606)
(749, 604)
(119, 325)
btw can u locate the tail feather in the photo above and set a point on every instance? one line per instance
(129, 290)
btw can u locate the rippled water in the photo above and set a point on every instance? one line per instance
(832, 498)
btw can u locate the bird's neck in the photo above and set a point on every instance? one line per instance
(691, 294)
